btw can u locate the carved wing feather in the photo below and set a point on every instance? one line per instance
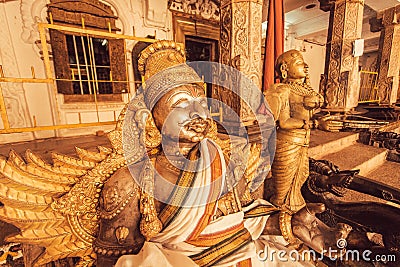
(54, 205)
(37, 161)
(74, 249)
(14, 176)
(29, 189)
(66, 161)
(26, 219)
(47, 237)
(93, 156)
(17, 198)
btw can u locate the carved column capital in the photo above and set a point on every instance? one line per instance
(386, 18)
(327, 5)
(390, 16)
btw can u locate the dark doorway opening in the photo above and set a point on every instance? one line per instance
(202, 49)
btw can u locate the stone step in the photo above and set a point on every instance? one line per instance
(358, 156)
(387, 173)
(324, 143)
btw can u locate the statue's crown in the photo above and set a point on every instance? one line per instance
(162, 64)
(160, 56)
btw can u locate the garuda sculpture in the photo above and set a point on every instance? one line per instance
(162, 196)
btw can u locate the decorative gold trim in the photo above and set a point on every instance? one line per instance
(121, 234)
(285, 225)
(150, 224)
(214, 254)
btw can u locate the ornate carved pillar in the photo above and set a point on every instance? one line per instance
(240, 47)
(389, 58)
(341, 89)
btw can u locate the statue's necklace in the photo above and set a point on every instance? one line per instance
(301, 89)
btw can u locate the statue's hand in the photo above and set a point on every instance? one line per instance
(327, 123)
(311, 102)
(317, 235)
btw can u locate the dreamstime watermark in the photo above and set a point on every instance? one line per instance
(340, 253)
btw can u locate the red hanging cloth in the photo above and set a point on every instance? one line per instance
(273, 41)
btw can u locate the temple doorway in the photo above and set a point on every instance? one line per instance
(202, 49)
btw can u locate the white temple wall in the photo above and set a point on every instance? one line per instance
(19, 50)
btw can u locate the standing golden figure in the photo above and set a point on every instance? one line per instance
(292, 103)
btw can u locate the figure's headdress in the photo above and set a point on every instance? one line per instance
(162, 64)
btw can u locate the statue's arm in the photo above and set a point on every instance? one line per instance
(119, 232)
(278, 101)
(288, 123)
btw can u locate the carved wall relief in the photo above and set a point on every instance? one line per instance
(388, 59)
(225, 39)
(394, 53)
(206, 9)
(31, 14)
(155, 13)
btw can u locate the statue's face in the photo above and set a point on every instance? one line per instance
(297, 68)
(182, 114)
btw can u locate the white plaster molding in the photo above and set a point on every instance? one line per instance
(122, 12)
(155, 13)
(14, 93)
(32, 12)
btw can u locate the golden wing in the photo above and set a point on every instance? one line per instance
(55, 206)
(32, 192)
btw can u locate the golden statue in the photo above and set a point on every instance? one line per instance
(163, 195)
(292, 102)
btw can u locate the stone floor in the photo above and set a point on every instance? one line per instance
(62, 145)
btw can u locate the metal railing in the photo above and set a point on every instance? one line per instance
(368, 87)
(50, 79)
